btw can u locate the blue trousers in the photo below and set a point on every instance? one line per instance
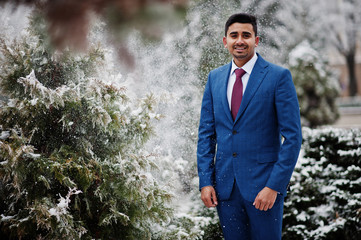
(240, 220)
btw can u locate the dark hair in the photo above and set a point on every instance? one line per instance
(241, 18)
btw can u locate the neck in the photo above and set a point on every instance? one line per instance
(241, 62)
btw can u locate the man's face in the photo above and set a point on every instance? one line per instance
(241, 42)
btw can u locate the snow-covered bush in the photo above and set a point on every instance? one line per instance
(211, 227)
(317, 87)
(325, 200)
(71, 158)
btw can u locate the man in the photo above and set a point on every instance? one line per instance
(249, 137)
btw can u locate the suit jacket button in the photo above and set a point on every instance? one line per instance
(234, 154)
(234, 132)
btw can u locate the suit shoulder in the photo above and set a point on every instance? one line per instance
(277, 68)
(264, 63)
(220, 70)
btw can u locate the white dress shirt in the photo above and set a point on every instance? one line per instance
(248, 67)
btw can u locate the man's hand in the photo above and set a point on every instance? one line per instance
(265, 199)
(208, 196)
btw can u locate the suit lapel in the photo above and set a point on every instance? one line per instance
(224, 80)
(258, 73)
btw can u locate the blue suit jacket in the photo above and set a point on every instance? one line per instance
(251, 148)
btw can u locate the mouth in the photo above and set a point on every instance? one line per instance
(240, 48)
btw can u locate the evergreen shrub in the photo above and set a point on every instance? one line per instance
(316, 85)
(71, 158)
(325, 199)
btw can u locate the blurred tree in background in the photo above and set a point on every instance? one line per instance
(340, 23)
(69, 22)
(316, 86)
(327, 25)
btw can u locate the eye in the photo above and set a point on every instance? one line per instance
(246, 35)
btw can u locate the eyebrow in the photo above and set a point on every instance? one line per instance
(244, 32)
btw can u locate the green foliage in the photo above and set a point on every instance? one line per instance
(182, 227)
(212, 230)
(71, 164)
(317, 89)
(325, 201)
(209, 19)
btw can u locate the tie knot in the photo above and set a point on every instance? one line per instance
(239, 72)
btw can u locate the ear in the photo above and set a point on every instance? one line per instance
(225, 42)
(257, 41)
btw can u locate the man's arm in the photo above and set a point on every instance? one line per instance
(288, 116)
(206, 148)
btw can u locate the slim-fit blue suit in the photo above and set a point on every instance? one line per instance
(250, 150)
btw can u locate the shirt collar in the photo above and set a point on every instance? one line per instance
(248, 67)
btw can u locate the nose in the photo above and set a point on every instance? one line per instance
(239, 40)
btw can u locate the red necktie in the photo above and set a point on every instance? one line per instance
(237, 92)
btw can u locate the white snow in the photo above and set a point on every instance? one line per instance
(4, 135)
(5, 218)
(63, 205)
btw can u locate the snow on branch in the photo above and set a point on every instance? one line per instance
(63, 205)
(48, 96)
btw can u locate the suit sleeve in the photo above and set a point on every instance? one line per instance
(206, 147)
(288, 116)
